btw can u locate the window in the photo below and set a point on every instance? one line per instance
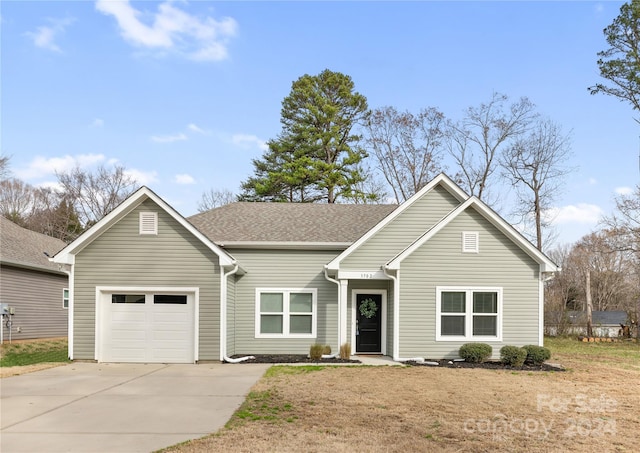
(127, 298)
(148, 223)
(468, 314)
(175, 299)
(287, 313)
(65, 298)
(470, 242)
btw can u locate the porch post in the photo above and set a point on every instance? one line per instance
(344, 297)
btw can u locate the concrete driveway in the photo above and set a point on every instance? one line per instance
(91, 407)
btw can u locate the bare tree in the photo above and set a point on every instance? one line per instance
(626, 221)
(476, 141)
(368, 191)
(17, 200)
(94, 195)
(214, 198)
(4, 167)
(536, 165)
(407, 147)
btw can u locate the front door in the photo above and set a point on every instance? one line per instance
(369, 323)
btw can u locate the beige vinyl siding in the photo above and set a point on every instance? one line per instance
(37, 299)
(402, 231)
(123, 257)
(440, 262)
(362, 286)
(283, 269)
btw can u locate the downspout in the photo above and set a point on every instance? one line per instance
(333, 280)
(223, 320)
(396, 320)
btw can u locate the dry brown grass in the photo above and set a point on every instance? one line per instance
(594, 406)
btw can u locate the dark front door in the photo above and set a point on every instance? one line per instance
(369, 323)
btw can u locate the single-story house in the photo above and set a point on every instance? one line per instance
(35, 288)
(603, 323)
(415, 280)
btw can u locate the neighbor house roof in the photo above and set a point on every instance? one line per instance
(25, 248)
(246, 223)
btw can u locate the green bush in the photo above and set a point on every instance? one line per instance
(536, 355)
(475, 352)
(513, 355)
(345, 351)
(315, 352)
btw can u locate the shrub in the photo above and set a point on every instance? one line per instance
(475, 352)
(315, 352)
(326, 350)
(536, 355)
(513, 355)
(345, 351)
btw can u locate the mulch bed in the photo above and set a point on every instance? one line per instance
(291, 358)
(487, 365)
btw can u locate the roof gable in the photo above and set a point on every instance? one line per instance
(441, 180)
(503, 226)
(25, 248)
(144, 193)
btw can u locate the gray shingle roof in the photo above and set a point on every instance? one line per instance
(24, 247)
(289, 222)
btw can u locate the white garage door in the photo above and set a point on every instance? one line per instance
(147, 327)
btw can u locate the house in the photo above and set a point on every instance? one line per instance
(603, 323)
(414, 280)
(35, 288)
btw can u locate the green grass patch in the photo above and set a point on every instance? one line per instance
(622, 353)
(262, 406)
(30, 353)
(283, 370)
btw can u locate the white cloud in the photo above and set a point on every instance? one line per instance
(98, 122)
(624, 190)
(44, 166)
(193, 128)
(593, 181)
(583, 213)
(169, 138)
(184, 178)
(247, 141)
(44, 37)
(172, 29)
(142, 177)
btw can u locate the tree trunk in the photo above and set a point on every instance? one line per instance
(589, 304)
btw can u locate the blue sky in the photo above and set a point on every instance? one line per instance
(184, 94)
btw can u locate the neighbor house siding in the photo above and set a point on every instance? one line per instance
(37, 299)
(401, 231)
(123, 257)
(283, 269)
(440, 262)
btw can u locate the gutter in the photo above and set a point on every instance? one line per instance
(223, 319)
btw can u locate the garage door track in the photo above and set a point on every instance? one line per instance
(96, 407)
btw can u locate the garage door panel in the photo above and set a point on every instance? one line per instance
(148, 332)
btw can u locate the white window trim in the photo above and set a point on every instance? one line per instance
(469, 234)
(143, 221)
(286, 313)
(468, 313)
(66, 298)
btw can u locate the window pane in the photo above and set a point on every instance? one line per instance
(453, 302)
(271, 324)
(170, 299)
(271, 302)
(485, 325)
(300, 302)
(452, 325)
(485, 302)
(300, 324)
(127, 298)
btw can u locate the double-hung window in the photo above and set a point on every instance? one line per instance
(468, 314)
(286, 313)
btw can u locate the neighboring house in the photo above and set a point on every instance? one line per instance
(414, 280)
(35, 287)
(603, 323)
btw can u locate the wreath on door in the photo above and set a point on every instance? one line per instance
(368, 308)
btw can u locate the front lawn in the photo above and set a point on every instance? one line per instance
(591, 407)
(21, 353)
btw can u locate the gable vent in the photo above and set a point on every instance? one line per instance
(148, 223)
(470, 241)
